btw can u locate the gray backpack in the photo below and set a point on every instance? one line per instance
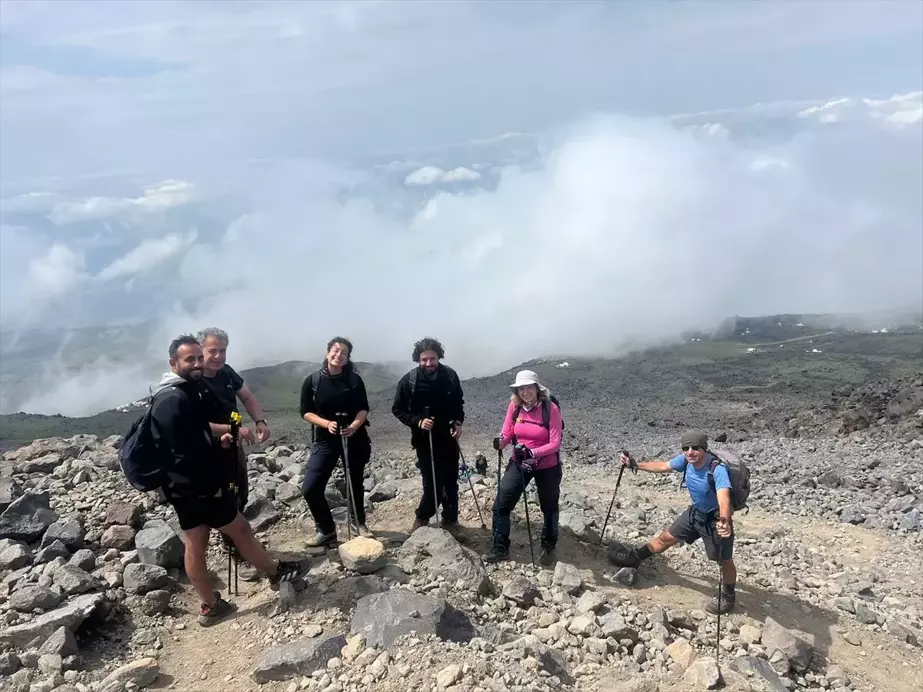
(738, 472)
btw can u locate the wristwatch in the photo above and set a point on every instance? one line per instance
(261, 420)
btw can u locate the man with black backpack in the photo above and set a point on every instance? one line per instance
(429, 400)
(171, 446)
(709, 517)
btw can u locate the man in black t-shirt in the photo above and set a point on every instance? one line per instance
(435, 385)
(228, 386)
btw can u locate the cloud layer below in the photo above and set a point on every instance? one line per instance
(625, 231)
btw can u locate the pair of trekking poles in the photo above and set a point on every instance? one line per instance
(233, 554)
(432, 462)
(525, 500)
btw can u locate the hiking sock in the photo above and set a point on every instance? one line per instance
(643, 552)
(729, 589)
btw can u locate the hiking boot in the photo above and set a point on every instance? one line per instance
(418, 523)
(453, 527)
(547, 557)
(497, 554)
(728, 600)
(363, 531)
(321, 539)
(210, 614)
(288, 572)
(623, 556)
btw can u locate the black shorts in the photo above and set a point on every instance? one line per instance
(213, 512)
(694, 524)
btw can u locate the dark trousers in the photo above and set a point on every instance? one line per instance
(324, 457)
(548, 485)
(445, 451)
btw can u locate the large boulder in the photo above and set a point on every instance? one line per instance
(437, 553)
(70, 615)
(27, 518)
(158, 544)
(383, 617)
(301, 657)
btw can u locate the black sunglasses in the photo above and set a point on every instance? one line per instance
(694, 448)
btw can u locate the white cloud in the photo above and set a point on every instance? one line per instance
(57, 272)
(258, 113)
(146, 256)
(899, 110)
(160, 197)
(429, 175)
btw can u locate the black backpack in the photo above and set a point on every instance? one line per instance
(140, 458)
(546, 412)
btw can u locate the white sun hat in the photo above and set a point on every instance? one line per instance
(526, 377)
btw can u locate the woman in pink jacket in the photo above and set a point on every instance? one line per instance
(533, 426)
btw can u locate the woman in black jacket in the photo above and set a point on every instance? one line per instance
(334, 401)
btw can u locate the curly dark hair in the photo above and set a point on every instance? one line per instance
(427, 344)
(349, 351)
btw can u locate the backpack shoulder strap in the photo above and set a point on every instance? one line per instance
(413, 380)
(315, 383)
(546, 414)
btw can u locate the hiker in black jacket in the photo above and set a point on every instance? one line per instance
(228, 386)
(196, 477)
(435, 385)
(334, 401)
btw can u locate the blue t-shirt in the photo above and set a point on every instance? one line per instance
(703, 497)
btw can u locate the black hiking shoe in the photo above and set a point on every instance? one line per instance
(288, 572)
(498, 553)
(547, 557)
(623, 556)
(728, 600)
(211, 614)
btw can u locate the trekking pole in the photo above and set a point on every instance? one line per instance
(350, 495)
(525, 502)
(432, 462)
(718, 636)
(499, 464)
(234, 425)
(471, 485)
(602, 535)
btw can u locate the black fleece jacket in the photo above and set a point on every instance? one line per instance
(443, 394)
(179, 426)
(343, 393)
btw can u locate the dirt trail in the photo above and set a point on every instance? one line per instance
(221, 657)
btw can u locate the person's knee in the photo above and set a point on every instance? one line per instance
(664, 540)
(237, 528)
(196, 543)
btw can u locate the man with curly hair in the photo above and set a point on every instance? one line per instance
(435, 386)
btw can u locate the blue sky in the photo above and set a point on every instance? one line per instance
(424, 149)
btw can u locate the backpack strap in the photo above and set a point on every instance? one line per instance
(413, 381)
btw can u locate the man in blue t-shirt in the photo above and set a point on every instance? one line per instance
(708, 517)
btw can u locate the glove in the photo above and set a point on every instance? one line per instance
(496, 443)
(524, 457)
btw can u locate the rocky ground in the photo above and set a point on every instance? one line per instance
(830, 555)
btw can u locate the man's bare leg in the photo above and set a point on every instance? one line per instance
(729, 572)
(250, 549)
(196, 567)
